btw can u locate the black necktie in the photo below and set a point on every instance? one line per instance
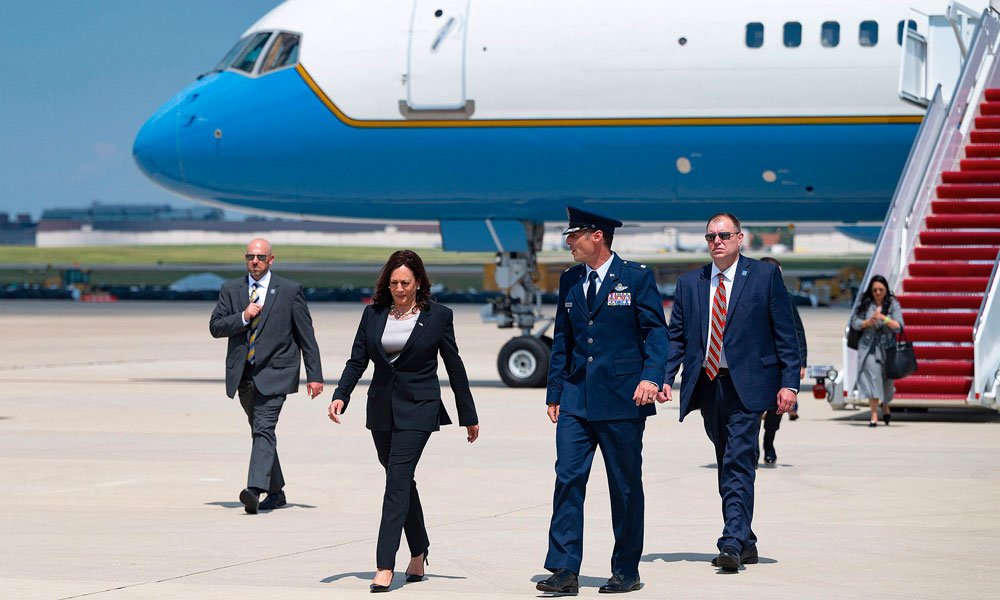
(592, 290)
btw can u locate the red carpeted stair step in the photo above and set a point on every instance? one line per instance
(954, 368)
(971, 176)
(945, 284)
(955, 207)
(992, 94)
(939, 317)
(989, 108)
(985, 136)
(955, 253)
(938, 333)
(979, 164)
(943, 352)
(944, 268)
(912, 301)
(988, 122)
(933, 384)
(956, 397)
(969, 190)
(983, 150)
(959, 237)
(965, 221)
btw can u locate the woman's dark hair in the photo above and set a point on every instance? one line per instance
(867, 299)
(411, 260)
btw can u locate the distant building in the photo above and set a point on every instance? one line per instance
(17, 232)
(98, 212)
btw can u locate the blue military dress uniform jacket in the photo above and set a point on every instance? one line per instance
(599, 358)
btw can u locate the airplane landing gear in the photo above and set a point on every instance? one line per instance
(524, 361)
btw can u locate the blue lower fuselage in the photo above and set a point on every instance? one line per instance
(272, 144)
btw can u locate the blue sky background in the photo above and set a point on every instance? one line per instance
(79, 77)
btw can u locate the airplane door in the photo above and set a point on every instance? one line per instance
(436, 78)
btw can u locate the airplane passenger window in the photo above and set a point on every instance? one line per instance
(868, 33)
(830, 36)
(283, 52)
(793, 34)
(911, 24)
(755, 35)
(248, 57)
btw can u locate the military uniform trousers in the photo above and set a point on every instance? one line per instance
(620, 442)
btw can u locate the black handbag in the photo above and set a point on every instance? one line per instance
(900, 360)
(853, 337)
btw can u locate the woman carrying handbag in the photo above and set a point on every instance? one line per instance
(878, 317)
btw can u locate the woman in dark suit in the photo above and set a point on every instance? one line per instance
(403, 332)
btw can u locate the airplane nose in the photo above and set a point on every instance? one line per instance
(155, 147)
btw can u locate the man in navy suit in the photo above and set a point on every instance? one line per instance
(610, 339)
(732, 328)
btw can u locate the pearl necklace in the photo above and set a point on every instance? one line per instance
(399, 314)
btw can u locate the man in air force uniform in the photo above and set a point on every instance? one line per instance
(608, 351)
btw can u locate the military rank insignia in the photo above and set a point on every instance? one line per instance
(620, 299)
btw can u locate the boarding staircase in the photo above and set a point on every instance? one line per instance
(940, 243)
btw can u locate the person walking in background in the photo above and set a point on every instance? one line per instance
(269, 326)
(732, 328)
(772, 418)
(608, 350)
(403, 332)
(878, 317)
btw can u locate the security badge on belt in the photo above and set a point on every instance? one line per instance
(620, 297)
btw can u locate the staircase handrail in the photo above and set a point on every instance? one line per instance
(986, 356)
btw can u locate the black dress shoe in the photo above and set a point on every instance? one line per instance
(770, 457)
(250, 500)
(619, 585)
(273, 501)
(747, 557)
(728, 559)
(413, 578)
(563, 581)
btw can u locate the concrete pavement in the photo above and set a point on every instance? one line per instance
(124, 459)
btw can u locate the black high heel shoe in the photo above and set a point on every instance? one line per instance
(872, 423)
(886, 417)
(413, 578)
(378, 589)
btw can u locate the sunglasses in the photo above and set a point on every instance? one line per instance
(260, 257)
(723, 235)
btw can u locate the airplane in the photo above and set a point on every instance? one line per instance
(490, 117)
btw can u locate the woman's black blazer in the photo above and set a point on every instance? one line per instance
(406, 394)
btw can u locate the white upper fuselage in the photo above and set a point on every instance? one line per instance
(526, 59)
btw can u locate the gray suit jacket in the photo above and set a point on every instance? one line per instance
(286, 330)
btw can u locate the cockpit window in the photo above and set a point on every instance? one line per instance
(284, 51)
(233, 53)
(246, 59)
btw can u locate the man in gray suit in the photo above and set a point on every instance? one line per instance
(268, 325)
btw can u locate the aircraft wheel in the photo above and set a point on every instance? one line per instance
(524, 362)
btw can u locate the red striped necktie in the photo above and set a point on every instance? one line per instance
(718, 326)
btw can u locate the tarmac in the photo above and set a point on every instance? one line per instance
(124, 459)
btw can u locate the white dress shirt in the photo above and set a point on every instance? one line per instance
(262, 286)
(729, 275)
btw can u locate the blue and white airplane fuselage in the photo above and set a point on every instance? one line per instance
(651, 110)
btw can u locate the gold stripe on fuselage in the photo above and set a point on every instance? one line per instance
(623, 122)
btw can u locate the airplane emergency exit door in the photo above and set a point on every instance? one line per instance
(436, 78)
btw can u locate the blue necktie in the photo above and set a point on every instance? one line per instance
(592, 290)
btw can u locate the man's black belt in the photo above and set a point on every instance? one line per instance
(723, 372)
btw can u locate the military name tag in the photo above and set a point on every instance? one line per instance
(620, 299)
